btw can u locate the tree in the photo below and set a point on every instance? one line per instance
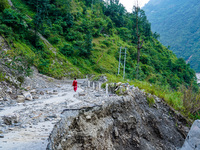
(3, 5)
(42, 7)
(139, 42)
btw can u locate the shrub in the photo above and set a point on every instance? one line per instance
(54, 40)
(3, 5)
(67, 50)
(150, 100)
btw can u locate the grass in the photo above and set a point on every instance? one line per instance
(150, 100)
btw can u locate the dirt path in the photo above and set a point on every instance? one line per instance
(34, 120)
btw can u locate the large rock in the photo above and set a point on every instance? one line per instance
(192, 141)
(122, 123)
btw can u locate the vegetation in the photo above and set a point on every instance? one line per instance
(84, 38)
(150, 100)
(177, 23)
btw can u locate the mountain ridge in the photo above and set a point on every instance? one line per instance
(177, 23)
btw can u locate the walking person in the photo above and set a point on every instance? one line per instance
(74, 84)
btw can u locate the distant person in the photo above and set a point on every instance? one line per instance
(74, 84)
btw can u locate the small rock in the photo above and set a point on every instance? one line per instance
(28, 88)
(98, 95)
(118, 84)
(53, 116)
(28, 96)
(35, 97)
(81, 94)
(33, 91)
(20, 99)
(116, 132)
(59, 147)
(41, 93)
(55, 93)
(88, 117)
(59, 86)
(9, 90)
(1, 136)
(6, 99)
(9, 120)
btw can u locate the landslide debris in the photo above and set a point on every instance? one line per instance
(122, 123)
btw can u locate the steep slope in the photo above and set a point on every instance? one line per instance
(73, 38)
(178, 24)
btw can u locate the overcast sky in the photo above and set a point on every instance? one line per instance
(129, 3)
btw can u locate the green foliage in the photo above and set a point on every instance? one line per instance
(150, 100)
(14, 20)
(183, 36)
(89, 36)
(4, 5)
(67, 50)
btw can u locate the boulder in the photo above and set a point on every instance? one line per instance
(192, 141)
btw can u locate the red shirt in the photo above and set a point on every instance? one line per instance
(74, 83)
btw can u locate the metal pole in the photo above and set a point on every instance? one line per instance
(124, 63)
(119, 60)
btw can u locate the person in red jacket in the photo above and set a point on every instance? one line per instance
(74, 84)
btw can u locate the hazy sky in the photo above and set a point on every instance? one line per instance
(129, 3)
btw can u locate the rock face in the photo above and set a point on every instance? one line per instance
(126, 123)
(192, 141)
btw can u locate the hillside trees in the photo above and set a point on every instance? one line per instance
(178, 24)
(13, 21)
(89, 35)
(116, 11)
(3, 5)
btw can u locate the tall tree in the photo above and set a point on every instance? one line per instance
(139, 42)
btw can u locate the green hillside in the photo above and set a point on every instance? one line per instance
(177, 22)
(84, 38)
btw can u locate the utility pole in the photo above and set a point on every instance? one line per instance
(124, 64)
(119, 59)
(120, 53)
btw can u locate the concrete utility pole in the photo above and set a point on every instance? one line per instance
(124, 64)
(119, 59)
(120, 53)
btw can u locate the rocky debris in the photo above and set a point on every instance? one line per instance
(1, 136)
(192, 141)
(28, 96)
(126, 122)
(81, 94)
(10, 120)
(20, 99)
(9, 90)
(41, 93)
(102, 79)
